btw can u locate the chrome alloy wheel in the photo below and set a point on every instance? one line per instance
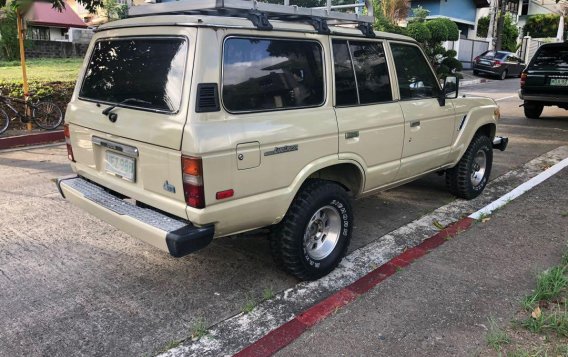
(478, 168)
(322, 233)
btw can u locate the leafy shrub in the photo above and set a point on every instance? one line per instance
(483, 26)
(438, 30)
(419, 31)
(452, 27)
(542, 25)
(9, 47)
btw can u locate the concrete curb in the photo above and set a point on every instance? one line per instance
(31, 139)
(474, 81)
(381, 258)
(290, 331)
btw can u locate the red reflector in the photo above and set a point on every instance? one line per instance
(194, 195)
(224, 194)
(67, 134)
(523, 79)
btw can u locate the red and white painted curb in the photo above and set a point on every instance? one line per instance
(276, 323)
(10, 142)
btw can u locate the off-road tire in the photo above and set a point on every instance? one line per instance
(287, 237)
(458, 178)
(503, 75)
(533, 110)
(4, 121)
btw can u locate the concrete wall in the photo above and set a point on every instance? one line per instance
(55, 49)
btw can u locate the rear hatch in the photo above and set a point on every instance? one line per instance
(548, 71)
(128, 111)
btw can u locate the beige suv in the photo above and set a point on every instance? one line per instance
(184, 128)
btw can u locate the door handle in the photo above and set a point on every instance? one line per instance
(414, 124)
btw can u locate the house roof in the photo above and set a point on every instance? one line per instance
(43, 14)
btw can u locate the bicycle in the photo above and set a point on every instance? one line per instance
(44, 114)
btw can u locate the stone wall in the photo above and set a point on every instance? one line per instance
(55, 49)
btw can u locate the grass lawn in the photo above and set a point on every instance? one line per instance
(42, 70)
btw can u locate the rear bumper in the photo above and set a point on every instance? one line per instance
(488, 70)
(500, 142)
(169, 234)
(543, 98)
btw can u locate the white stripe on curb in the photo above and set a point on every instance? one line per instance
(503, 200)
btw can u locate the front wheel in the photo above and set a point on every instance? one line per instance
(4, 121)
(314, 235)
(47, 115)
(470, 176)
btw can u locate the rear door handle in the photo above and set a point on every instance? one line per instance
(414, 124)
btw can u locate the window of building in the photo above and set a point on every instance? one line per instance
(415, 77)
(38, 33)
(271, 74)
(361, 73)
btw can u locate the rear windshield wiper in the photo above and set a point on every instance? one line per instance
(127, 100)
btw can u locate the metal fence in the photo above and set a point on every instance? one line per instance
(468, 50)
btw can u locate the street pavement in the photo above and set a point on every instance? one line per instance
(441, 304)
(71, 284)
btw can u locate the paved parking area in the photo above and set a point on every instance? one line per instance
(71, 284)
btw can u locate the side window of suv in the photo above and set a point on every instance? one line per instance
(415, 78)
(361, 73)
(271, 74)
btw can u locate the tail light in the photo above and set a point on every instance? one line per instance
(193, 181)
(67, 134)
(523, 79)
(497, 63)
(476, 59)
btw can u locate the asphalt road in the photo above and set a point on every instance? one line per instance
(71, 284)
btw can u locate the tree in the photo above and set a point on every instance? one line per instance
(9, 48)
(392, 10)
(510, 32)
(90, 5)
(430, 34)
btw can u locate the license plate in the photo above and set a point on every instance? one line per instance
(121, 166)
(559, 81)
(485, 62)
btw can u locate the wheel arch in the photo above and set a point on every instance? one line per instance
(349, 175)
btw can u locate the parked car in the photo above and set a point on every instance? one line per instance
(498, 63)
(545, 80)
(183, 128)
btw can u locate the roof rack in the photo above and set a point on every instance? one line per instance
(260, 13)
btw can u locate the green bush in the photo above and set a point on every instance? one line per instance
(419, 31)
(483, 26)
(438, 30)
(452, 63)
(542, 25)
(450, 53)
(453, 30)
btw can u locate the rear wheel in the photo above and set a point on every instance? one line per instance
(503, 75)
(47, 115)
(470, 176)
(314, 235)
(533, 110)
(4, 121)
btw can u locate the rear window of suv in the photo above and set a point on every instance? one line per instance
(551, 58)
(144, 73)
(262, 74)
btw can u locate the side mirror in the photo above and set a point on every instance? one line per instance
(451, 86)
(449, 89)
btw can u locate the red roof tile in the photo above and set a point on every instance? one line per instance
(43, 14)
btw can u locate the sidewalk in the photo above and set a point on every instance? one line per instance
(469, 79)
(440, 304)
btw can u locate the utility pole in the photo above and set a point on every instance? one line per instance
(21, 35)
(500, 24)
(492, 16)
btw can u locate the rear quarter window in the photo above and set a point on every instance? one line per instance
(262, 74)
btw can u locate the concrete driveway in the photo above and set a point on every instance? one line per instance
(71, 284)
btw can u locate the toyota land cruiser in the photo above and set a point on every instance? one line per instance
(184, 128)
